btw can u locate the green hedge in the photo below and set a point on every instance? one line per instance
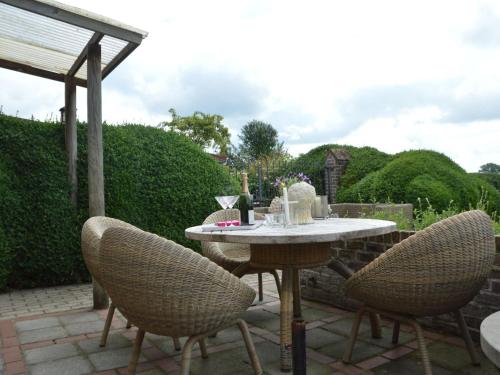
(156, 180)
(424, 174)
(364, 160)
(491, 178)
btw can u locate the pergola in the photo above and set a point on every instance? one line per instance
(49, 39)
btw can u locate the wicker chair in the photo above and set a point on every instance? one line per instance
(166, 289)
(437, 270)
(233, 257)
(92, 232)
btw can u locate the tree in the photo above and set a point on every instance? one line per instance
(203, 129)
(490, 167)
(259, 139)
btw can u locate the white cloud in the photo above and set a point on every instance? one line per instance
(301, 66)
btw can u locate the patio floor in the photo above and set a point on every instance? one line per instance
(54, 332)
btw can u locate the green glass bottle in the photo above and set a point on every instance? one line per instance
(247, 216)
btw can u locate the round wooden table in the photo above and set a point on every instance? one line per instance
(291, 249)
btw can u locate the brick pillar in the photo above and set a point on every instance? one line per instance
(336, 162)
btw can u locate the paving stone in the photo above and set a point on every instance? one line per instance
(49, 353)
(408, 364)
(272, 325)
(230, 334)
(267, 299)
(151, 372)
(311, 314)
(115, 358)
(165, 343)
(28, 325)
(313, 368)
(317, 337)
(85, 327)
(43, 334)
(1, 365)
(344, 326)
(362, 350)
(386, 340)
(227, 362)
(79, 318)
(66, 366)
(115, 341)
(448, 356)
(252, 316)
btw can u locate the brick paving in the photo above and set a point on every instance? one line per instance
(54, 331)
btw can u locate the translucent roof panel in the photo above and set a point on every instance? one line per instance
(52, 37)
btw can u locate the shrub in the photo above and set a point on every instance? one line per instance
(156, 180)
(425, 174)
(364, 160)
(491, 178)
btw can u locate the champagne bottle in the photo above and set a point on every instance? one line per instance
(247, 215)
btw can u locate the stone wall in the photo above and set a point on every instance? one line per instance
(335, 164)
(324, 285)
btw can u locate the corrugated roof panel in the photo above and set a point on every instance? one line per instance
(110, 47)
(33, 29)
(82, 72)
(47, 42)
(34, 56)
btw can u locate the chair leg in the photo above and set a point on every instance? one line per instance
(426, 362)
(107, 325)
(177, 343)
(261, 291)
(277, 280)
(466, 335)
(297, 309)
(129, 325)
(395, 332)
(186, 355)
(132, 365)
(203, 348)
(354, 334)
(250, 347)
(375, 325)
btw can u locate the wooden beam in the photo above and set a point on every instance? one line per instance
(122, 55)
(70, 133)
(80, 20)
(18, 67)
(95, 150)
(96, 38)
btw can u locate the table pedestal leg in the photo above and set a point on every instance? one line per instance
(297, 310)
(286, 312)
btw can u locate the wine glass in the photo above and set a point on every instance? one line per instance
(227, 201)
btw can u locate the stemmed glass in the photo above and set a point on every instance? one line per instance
(227, 202)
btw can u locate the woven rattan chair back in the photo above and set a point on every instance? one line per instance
(227, 255)
(167, 289)
(92, 232)
(437, 270)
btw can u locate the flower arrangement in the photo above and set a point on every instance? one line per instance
(290, 179)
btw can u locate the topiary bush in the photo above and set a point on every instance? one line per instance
(491, 178)
(364, 160)
(156, 180)
(425, 174)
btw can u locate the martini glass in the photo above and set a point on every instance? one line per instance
(226, 202)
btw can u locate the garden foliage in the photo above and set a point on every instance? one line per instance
(159, 181)
(422, 174)
(364, 160)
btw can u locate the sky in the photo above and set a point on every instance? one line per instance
(394, 75)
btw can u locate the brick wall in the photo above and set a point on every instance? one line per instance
(324, 285)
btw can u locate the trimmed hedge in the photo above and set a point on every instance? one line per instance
(424, 174)
(364, 160)
(491, 178)
(156, 180)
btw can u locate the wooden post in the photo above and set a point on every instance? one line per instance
(95, 149)
(70, 133)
